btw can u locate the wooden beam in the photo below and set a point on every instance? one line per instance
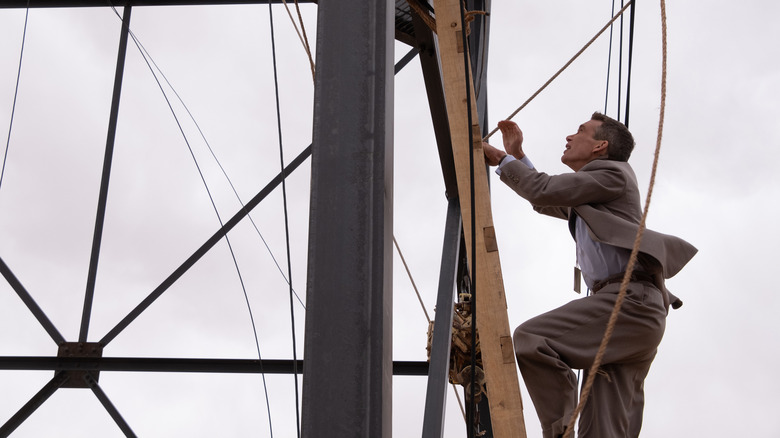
(503, 387)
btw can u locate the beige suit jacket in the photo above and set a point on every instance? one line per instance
(605, 195)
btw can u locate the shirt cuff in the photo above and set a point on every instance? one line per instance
(509, 158)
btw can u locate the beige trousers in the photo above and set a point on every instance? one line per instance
(551, 345)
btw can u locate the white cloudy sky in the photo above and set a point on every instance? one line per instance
(716, 187)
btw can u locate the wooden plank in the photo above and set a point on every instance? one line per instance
(506, 406)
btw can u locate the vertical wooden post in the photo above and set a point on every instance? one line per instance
(503, 387)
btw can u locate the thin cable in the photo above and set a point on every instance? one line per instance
(216, 211)
(227, 177)
(630, 59)
(609, 59)
(549, 81)
(635, 251)
(218, 162)
(620, 66)
(286, 221)
(472, 200)
(16, 93)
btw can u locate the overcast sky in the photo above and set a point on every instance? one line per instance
(716, 187)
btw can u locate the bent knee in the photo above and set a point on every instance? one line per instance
(523, 341)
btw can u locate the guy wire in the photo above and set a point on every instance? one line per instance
(16, 94)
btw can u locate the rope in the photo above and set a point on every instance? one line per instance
(419, 298)
(423, 14)
(549, 81)
(469, 16)
(303, 38)
(428, 318)
(635, 251)
(16, 93)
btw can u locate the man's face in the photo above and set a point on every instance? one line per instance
(582, 148)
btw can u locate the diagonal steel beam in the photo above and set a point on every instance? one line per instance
(97, 236)
(411, 54)
(438, 373)
(35, 402)
(431, 71)
(221, 233)
(30, 302)
(200, 252)
(110, 408)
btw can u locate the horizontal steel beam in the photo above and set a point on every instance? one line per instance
(118, 3)
(181, 365)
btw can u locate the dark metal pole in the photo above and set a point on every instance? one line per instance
(35, 402)
(30, 303)
(438, 372)
(107, 159)
(348, 346)
(429, 61)
(180, 365)
(110, 408)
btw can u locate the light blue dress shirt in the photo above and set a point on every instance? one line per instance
(596, 260)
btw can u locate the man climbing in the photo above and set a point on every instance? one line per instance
(600, 200)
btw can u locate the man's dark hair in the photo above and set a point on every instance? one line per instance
(620, 142)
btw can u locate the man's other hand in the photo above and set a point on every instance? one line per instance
(492, 155)
(513, 138)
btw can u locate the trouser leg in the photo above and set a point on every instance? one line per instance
(614, 407)
(549, 346)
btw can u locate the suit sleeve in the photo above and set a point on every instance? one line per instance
(596, 185)
(556, 212)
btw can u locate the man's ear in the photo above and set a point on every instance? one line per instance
(600, 148)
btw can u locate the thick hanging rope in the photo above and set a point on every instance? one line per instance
(565, 66)
(635, 251)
